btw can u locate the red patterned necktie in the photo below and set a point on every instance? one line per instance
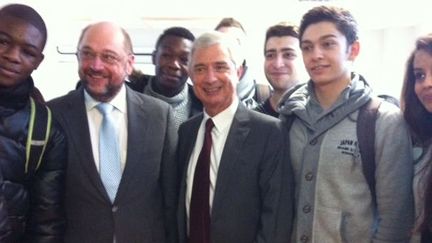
(199, 218)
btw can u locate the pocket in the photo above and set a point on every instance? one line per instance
(328, 226)
(336, 226)
(17, 224)
(16, 198)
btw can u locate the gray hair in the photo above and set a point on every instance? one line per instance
(227, 41)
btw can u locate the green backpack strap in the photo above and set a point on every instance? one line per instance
(37, 138)
(366, 141)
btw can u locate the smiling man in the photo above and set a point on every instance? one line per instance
(335, 202)
(121, 176)
(171, 58)
(281, 64)
(234, 160)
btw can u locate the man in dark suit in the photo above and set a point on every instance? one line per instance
(239, 188)
(133, 199)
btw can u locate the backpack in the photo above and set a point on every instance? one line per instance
(263, 92)
(366, 121)
(37, 138)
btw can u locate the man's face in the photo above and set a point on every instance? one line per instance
(215, 78)
(104, 62)
(171, 60)
(282, 62)
(236, 33)
(21, 46)
(326, 54)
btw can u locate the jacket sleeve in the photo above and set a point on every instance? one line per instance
(170, 179)
(277, 187)
(394, 174)
(46, 221)
(285, 215)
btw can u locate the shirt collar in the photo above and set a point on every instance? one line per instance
(119, 101)
(224, 119)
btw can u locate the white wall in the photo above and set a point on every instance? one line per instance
(388, 31)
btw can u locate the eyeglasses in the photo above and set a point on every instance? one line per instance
(105, 57)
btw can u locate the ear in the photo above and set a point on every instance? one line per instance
(354, 50)
(240, 71)
(130, 64)
(154, 57)
(41, 57)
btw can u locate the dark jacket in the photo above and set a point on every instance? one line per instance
(266, 108)
(31, 208)
(254, 192)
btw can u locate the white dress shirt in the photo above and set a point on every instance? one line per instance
(119, 115)
(222, 122)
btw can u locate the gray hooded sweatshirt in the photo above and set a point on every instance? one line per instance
(333, 200)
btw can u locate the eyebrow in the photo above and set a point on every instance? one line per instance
(217, 63)
(27, 45)
(320, 39)
(198, 65)
(32, 47)
(282, 49)
(87, 48)
(221, 63)
(165, 46)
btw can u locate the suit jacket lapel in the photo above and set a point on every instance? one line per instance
(187, 143)
(136, 141)
(229, 160)
(188, 137)
(75, 117)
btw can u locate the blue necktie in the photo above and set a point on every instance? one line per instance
(109, 152)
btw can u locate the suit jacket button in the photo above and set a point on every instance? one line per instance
(309, 176)
(114, 209)
(304, 238)
(307, 208)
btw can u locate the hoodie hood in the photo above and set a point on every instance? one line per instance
(246, 88)
(301, 100)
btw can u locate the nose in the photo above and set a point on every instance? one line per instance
(96, 63)
(316, 53)
(279, 61)
(175, 63)
(12, 53)
(427, 83)
(210, 75)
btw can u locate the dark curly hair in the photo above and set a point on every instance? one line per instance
(342, 18)
(175, 31)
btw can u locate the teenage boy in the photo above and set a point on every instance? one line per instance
(281, 63)
(171, 58)
(334, 200)
(31, 182)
